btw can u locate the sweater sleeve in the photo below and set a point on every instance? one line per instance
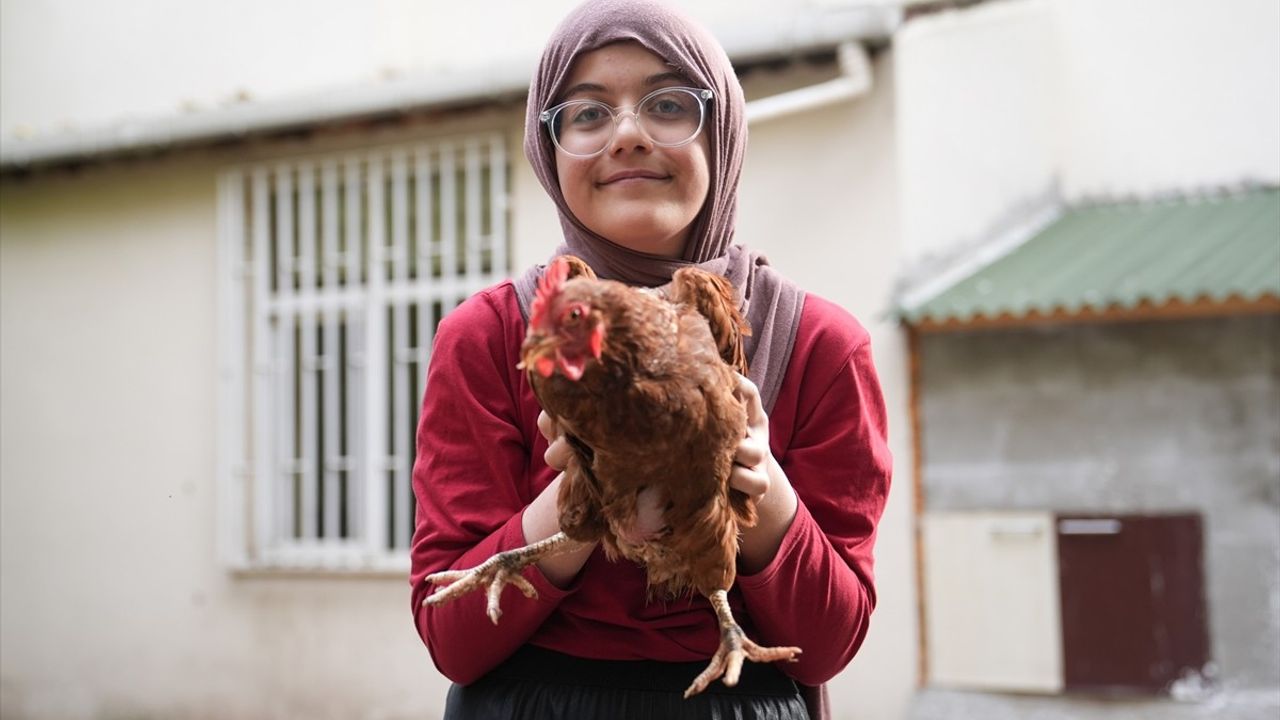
(818, 592)
(471, 481)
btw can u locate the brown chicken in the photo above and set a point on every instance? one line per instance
(642, 383)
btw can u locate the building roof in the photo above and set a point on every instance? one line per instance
(1196, 255)
(788, 32)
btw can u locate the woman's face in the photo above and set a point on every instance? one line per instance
(639, 195)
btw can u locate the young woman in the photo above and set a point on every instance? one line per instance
(639, 198)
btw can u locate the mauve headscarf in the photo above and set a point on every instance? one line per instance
(772, 302)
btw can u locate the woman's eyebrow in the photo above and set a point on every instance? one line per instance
(589, 87)
(584, 88)
(665, 76)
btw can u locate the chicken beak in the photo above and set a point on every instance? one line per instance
(571, 367)
(544, 357)
(539, 356)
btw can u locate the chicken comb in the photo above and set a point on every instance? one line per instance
(550, 283)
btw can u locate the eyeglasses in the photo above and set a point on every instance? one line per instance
(669, 117)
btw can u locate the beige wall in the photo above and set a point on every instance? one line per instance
(820, 197)
(112, 604)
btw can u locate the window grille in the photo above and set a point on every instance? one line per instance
(334, 273)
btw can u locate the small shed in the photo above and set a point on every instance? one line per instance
(1096, 407)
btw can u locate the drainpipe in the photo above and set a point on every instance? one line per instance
(854, 81)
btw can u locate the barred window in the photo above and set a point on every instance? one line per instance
(334, 273)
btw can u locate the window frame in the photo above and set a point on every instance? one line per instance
(285, 275)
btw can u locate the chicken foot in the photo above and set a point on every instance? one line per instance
(497, 572)
(735, 647)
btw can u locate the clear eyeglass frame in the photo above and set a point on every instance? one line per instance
(548, 118)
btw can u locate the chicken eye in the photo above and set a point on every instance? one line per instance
(574, 314)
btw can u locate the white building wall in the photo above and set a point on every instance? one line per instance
(1168, 96)
(977, 121)
(1008, 103)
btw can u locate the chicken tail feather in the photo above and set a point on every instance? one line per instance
(715, 299)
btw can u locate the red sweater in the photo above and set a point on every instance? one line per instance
(480, 464)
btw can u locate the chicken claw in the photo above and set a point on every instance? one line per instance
(496, 572)
(735, 647)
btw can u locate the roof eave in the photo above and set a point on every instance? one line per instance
(262, 118)
(492, 85)
(1172, 308)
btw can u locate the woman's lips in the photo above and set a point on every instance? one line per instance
(633, 177)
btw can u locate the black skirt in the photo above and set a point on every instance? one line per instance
(544, 685)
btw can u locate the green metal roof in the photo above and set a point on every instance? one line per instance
(1107, 257)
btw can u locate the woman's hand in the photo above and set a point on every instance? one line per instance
(650, 518)
(751, 460)
(558, 450)
(758, 474)
(542, 518)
